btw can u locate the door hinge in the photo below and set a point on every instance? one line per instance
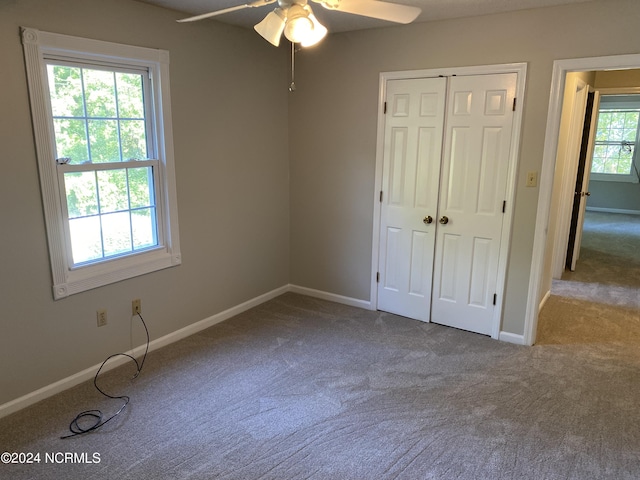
(514, 104)
(385, 107)
(378, 277)
(380, 196)
(504, 206)
(495, 298)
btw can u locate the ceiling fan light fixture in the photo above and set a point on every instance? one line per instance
(318, 33)
(271, 27)
(299, 26)
(295, 18)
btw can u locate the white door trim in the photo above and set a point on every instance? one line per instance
(521, 70)
(560, 70)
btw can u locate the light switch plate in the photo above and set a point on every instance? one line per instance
(532, 179)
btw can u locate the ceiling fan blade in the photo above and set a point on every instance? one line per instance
(391, 12)
(272, 26)
(257, 3)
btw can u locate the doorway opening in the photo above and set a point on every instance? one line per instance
(541, 271)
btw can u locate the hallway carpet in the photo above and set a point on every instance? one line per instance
(600, 301)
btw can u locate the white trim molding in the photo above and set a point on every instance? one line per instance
(332, 297)
(511, 338)
(544, 300)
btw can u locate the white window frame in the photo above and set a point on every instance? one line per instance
(39, 46)
(631, 177)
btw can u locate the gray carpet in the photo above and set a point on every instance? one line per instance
(300, 388)
(600, 301)
(610, 253)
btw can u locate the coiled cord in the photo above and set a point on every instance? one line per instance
(96, 416)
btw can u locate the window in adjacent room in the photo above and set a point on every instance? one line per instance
(103, 135)
(615, 147)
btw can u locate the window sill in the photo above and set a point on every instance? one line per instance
(94, 276)
(613, 177)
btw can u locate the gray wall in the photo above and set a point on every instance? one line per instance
(614, 195)
(229, 101)
(333, 127)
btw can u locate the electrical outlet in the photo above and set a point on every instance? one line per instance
(136, 307)
(102, 317)
(532, 179)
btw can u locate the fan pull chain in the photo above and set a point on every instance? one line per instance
(292, 86)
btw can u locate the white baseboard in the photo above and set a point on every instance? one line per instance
(511, 338)
(87, 374)
(613, 210)
(332, 297)
(354, 302)
(544, 300)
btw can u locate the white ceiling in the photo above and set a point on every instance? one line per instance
(342, 22)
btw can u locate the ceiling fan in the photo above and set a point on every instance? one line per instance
(296, 20)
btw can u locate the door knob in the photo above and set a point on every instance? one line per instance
(427, 220)
(444, 220)
(588, 194)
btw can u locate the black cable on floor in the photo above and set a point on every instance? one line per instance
(96, 416)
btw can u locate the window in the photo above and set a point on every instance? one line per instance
(103, 137)
(615, 146)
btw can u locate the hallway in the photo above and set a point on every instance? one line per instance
(599, 303)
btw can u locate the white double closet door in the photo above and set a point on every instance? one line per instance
(445, 163)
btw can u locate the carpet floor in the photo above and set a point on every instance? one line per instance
(300, 388)
(600, 301)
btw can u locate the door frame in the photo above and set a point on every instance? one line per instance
(505, 240)
(558, 78)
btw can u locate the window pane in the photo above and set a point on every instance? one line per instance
(99, 117)
(100, 93)
(116, 232)
(600, 151)
(130, 96)
(141, 187)
(629, 135)
(615, 134)
(631, 121)
(71, 140)
(82, 199)
(615, 141)
(623, 165)
(65, 88)
(112, 185)
(133, 139)
(612, 152)
(86, 244)
(598, 165)
(144, 228)
(630, 127)
(604, 122)
(617, 120)
(103, 135)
